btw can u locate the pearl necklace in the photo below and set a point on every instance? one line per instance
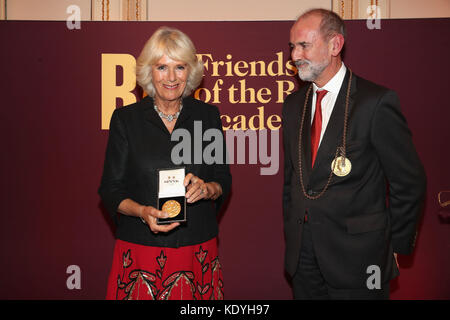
(168, 117)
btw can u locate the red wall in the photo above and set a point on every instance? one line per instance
(51, 215)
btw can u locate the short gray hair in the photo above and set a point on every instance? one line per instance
(177, 46)
(331, 23)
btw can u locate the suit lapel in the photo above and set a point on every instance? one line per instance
(185, 113)
(151, 115)
(332, 137)
(306, 140)
(305, 134)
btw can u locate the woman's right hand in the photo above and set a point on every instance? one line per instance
(149, 215)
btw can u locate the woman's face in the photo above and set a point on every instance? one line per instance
(169, 78)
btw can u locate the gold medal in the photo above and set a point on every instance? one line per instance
(172, 207)
(341, 166)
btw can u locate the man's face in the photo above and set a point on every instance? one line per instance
(310, 51)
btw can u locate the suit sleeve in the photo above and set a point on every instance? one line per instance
(288, 168)
(404, 172)
(113, 187)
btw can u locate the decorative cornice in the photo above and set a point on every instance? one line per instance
(119, 10)
(362, 9)
(2, 9)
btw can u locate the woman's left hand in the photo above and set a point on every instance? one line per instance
(198, 189)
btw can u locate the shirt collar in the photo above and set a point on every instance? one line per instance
(335, 83)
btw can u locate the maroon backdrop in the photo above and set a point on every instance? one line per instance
(51, 215)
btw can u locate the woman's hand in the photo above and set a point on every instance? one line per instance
(149, 214)
(198, 189)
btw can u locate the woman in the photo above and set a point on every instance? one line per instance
(177, 260)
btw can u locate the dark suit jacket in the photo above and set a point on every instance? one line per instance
(139, 144)
(356, 223)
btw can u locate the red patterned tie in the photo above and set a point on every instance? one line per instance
(316, 126)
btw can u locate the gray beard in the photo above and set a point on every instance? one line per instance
(312, 71)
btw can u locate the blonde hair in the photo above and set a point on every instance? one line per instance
(177, 46)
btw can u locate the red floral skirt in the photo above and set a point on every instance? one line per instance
(141, 272)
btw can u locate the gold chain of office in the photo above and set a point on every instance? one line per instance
(340, 150)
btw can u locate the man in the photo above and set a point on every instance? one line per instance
(352, 199)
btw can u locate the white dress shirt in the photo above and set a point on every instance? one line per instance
(333, 86)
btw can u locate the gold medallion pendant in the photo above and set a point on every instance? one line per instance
(341, 166)
(172, 207)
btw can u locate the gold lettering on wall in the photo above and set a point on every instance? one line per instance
(236, 90)
(110, 90)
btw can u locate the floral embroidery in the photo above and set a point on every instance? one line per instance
(127, 261)
(142, 286)
(161, 260)
(216, 270)
(201, 255)
(145, 285)
(178, 282)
